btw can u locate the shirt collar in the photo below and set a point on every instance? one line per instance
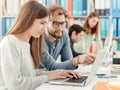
(49, 43)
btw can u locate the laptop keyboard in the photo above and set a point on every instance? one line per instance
(74, 80)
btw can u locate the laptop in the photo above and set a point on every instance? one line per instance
(108, 39)
(84, 80)
(108, 45)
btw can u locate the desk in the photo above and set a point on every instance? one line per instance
(90, 86)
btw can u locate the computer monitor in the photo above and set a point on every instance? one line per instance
(108, 40)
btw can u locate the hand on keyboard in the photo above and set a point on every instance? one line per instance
(71, 74)
(63, 74)
(77, 80)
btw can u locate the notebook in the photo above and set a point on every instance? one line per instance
(84, 80)
(107, 86)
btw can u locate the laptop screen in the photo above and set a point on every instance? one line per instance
(98, 61)
(108, 40)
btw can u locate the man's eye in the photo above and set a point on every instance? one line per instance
(56, 23)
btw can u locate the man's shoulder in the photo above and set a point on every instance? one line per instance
(65, 34)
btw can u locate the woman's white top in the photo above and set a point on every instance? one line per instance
(17, 70)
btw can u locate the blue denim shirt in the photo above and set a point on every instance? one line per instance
(53, 49)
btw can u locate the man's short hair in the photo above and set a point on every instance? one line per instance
(77, 28)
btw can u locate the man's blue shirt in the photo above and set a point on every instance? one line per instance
(52, 50)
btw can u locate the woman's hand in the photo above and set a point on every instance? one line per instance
(63, 74)
(71, 74)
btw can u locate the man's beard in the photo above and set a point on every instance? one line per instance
(54, 35)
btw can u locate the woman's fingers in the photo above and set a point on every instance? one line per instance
(72, 74)
(64, 74)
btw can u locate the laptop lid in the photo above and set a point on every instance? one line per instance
(98, 61)
(108, 39)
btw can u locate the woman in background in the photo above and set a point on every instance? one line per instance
(20, 51)
(92, 27)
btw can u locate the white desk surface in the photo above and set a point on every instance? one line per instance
(90, 86)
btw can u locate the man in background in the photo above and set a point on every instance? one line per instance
(75, 35)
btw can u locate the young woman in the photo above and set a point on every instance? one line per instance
(92, 33)
(20, 51)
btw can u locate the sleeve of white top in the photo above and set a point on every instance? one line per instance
(41, 72)
(45, 72)
(10, 65)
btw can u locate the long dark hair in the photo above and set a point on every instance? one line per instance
(28, 13)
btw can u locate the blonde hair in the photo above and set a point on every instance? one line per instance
(56, 10)
(26, 16)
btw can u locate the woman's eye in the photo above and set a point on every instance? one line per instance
(41, 22)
